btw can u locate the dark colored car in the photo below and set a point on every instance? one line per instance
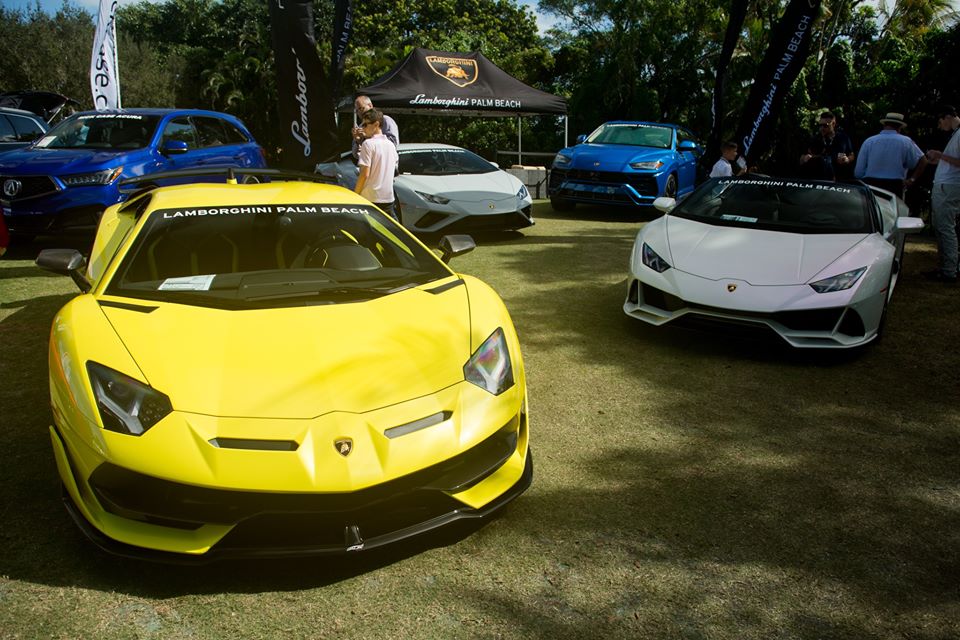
(66, 179)
(51, 107)
(19, 128)
(625, 163)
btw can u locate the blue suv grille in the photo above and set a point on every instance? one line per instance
(30, 187)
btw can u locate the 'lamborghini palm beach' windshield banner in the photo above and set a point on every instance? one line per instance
(305, 91)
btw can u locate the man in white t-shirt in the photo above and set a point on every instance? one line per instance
(378, 163)
(946, 197)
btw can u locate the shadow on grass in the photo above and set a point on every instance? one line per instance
(815, 492)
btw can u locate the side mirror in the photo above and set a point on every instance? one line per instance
(455, 245)
(687, 145)
(581, 138)
(909, 224)
(664, 204)
(66, 262)
(496, 164)
(175, 147)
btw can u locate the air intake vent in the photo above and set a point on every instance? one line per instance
(254, 445)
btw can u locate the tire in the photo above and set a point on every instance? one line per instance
(670, 189)
(561, 204)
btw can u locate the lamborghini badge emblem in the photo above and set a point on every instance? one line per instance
(459, 71)
(731, 287)
(343, 446)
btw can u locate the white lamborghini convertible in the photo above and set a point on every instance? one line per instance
(815, 262)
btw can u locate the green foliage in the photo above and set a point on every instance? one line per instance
(644, 59)
(44, 52)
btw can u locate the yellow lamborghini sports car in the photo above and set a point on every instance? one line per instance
(278, 369)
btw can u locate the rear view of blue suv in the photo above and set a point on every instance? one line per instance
(64, 181)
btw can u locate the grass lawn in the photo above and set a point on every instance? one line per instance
(687, 485)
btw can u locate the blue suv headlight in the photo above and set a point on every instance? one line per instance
(92, 179)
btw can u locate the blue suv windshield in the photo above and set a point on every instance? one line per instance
(118, 132)
(633, 134)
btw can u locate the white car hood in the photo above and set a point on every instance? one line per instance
(475, 187)
(756, 256)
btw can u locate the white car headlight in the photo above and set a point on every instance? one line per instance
(652, 260)
(523, 193)
(652, 165)
(489, 367)
(92, 179)
(429, 197)
(126, 405)
(838, 283)
(561, 160)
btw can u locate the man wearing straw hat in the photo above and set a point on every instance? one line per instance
(886, 158)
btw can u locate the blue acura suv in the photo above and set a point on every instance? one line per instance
(64, 181)
(625, 163)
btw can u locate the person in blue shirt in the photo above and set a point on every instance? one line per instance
(886, 158)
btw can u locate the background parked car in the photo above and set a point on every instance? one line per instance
(66, 180)
(625, 163)
(51, 107)
(441, 187)
(19, 128)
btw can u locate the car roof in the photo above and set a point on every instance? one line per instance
(20, 112)
(415, 146)
(217, 194)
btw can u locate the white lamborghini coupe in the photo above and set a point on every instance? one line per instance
(815, 262)
(440, 187)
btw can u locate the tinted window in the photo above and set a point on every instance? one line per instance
(780, 205)
(180, 129)
(638, 135)
(7, 132)
(443, 162)
(210, 132)
(233, 134)
(28, 129)
(101, 131)
(264, 256)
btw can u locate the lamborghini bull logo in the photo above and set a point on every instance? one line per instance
(343, 446)
(459, 71)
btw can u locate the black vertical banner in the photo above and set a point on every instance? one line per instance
(308, 129)
(788, 49)
(342, 28)
(738, 13)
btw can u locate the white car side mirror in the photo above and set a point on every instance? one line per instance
(665, 204)
(909, 224)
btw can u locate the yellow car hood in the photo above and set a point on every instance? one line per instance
(299, 362)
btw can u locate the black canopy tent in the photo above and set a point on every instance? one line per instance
(432, 82)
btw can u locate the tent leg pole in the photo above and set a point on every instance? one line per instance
(519, 141)
(565, 134)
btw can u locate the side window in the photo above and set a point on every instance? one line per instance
(7, 132)
(234, 135)
(180, 129)
(210, 131)
(27, 129)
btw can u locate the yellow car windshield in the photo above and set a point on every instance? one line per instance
(266, 255)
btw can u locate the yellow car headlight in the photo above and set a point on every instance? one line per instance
(126, 405)
(489, 367)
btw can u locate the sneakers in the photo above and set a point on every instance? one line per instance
(939, 276)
